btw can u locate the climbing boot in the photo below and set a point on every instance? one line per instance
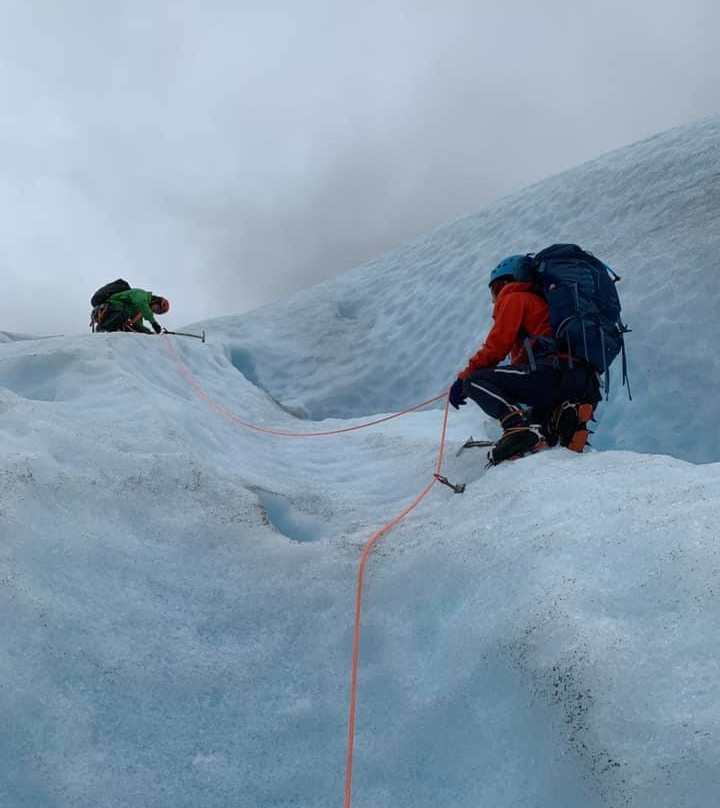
(570, 424)
(517, 442)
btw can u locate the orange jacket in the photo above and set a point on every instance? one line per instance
(518, 313)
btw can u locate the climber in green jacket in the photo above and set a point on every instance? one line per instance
(126, 310)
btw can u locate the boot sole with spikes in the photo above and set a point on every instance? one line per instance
(516, 443)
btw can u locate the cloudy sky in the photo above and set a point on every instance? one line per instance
(226, 153)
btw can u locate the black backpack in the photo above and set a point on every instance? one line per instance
(107, 291)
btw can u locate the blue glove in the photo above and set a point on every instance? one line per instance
(457, 394)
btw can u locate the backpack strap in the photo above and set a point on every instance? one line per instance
(625, 378)
(530, 353)
(606, 369)
(547, 345)
(97, 315)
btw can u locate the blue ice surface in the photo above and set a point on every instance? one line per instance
(178, 592)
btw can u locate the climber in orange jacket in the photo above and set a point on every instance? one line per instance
(542, 384)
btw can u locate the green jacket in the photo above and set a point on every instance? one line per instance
(133, 302)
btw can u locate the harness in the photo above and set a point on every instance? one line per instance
(551, 356)
(104, 311)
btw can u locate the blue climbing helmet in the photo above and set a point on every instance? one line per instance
(508, 268)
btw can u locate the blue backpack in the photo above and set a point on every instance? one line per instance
(584, 306)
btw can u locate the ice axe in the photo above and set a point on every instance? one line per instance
(458, 488)
(185, 334)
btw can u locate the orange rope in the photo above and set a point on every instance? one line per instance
(269, 430)
(372, 541)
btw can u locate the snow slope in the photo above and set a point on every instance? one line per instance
(178, 592)
(652, 211)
